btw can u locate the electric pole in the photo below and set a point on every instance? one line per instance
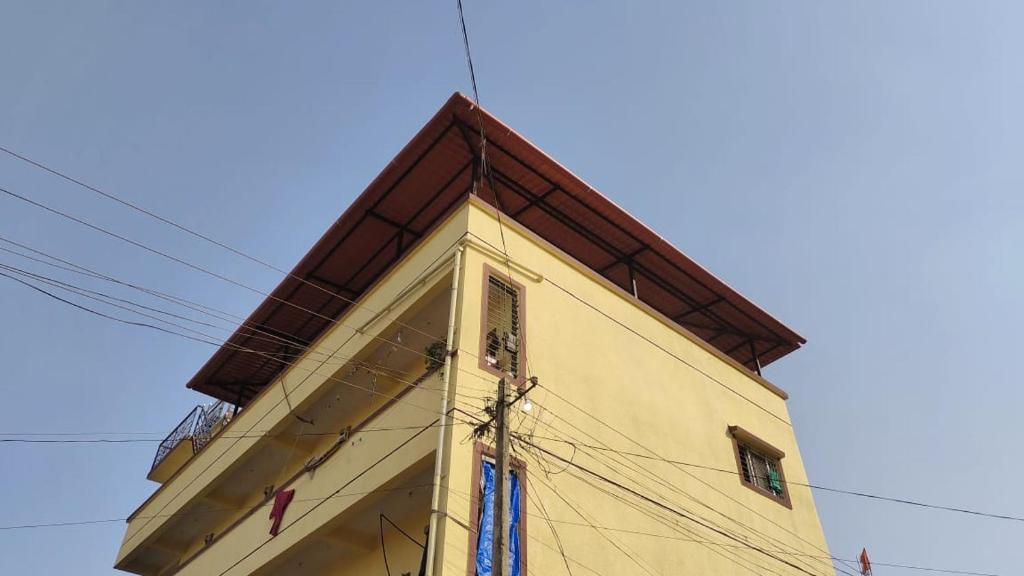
(499, 553)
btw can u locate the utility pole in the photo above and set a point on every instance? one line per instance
(499, 553)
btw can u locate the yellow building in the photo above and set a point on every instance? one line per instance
(648, 441)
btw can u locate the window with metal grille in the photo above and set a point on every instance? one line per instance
(761, 471)
(502, 326)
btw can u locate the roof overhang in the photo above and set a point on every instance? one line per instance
(429, 178)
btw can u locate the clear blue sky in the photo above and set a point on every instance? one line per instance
(854, 167)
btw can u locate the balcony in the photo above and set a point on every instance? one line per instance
(375, 394)
(187, 438)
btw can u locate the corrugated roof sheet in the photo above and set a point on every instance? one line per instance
(430, 177)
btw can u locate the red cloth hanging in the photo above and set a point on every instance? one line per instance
(281, 501)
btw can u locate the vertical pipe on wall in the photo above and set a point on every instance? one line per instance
(446, 419)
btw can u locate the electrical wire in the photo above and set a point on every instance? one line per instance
(483, 143)
(176, 300)
(673, 487)
(662, 505)
(106, 298)
(484, 171)
(278, 403)
(476, 98)
(210, 339)
(624, 550)
(469, 56)
(383, 546)
(536, 499)
(404, 533)
(287, 339)
(475, 533)
(320, 503)
(65, 524)
(841, 491)
(663, 482)
(746, 564)
(750, 533)
(187, 230)
(651, 342)
(796, 483)
(90, 294)
(202, 309)
(37, 204)
(183, 262)
(677, 538)
(320, 434)
(226, 436)
(573, 444)
(665, 522)
(721, 544)
(416, 279)
(101, 314)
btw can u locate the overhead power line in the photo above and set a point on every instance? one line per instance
(206, 238)
(226, 436)
(414, 280)
(469, 56)
(186, 263)
(467, 498)
(200, 336)
(728, 555)
(659, 504)
(212, 312)
(661, 481)
(339, 296)
(354, 478)
(770, 542)
(651, 342)
(284, 398)
(33, 438)
(672, 537)
(576, 445)
(860, 494)
(185, 229)
(738, 543)
(70, 523)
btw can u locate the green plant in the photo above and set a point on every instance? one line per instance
(435, 354)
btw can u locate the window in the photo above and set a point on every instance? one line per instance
(482, 515)
(760, 465)
(502, 326)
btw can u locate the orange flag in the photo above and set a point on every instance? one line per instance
(865, 562)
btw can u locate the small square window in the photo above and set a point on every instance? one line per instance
(760, 465)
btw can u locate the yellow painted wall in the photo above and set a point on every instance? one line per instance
(251, 433)
(680, 409)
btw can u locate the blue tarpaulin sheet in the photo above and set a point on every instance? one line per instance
(485, 541)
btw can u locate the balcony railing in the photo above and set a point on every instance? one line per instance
(198, 427)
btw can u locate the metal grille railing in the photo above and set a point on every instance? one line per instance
(204, 425)
(180, 433)
(197, 427)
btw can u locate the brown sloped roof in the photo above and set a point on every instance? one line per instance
(430, 177)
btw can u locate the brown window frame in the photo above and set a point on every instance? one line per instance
(768, 452)
(520, 378)
(481, 451)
